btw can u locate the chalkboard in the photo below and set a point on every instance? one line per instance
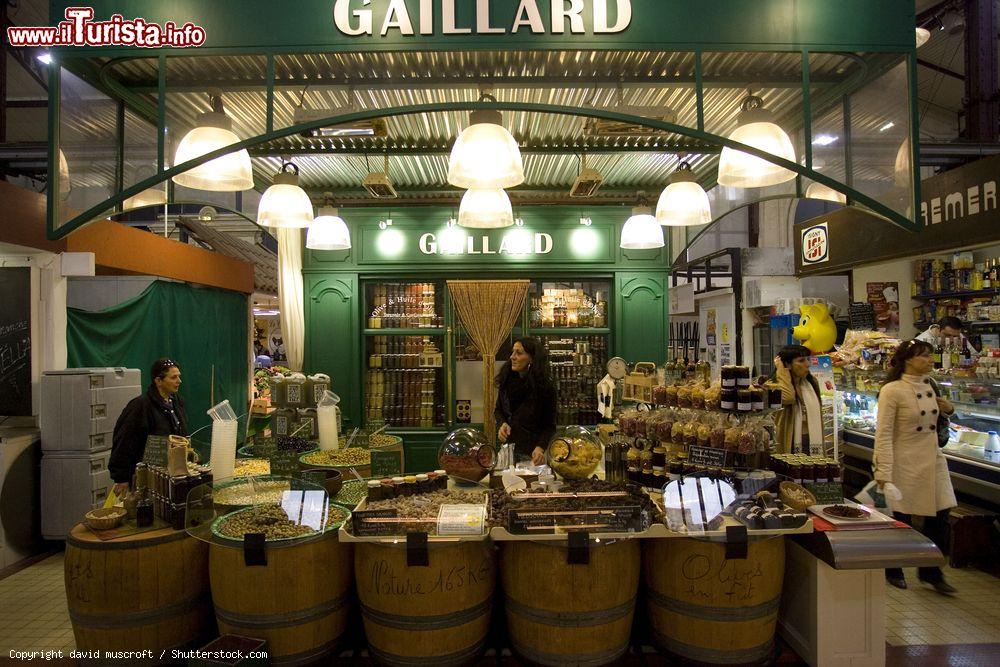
(707, 456)
(285, 464)
(155, 453)
(861, 316)
(365, 526)
(826, 492)
(386, 464)
(15, 341)
(317, 477)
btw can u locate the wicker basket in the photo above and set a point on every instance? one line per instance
(105, 518)
(787, 492)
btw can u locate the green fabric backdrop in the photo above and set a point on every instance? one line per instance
(196, 327)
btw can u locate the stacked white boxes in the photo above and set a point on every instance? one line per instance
(79, 408)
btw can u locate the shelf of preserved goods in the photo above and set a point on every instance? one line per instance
(559, 305)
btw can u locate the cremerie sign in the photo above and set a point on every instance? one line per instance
(358, 17)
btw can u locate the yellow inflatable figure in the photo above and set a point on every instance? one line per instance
(816, 329)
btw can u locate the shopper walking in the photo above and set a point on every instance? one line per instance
(800, 423)
(526, 401)
(908, 464)
(159, 411)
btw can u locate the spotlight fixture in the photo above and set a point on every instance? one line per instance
(379, 185)
(587, 182)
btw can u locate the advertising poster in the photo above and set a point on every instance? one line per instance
(710, 327)
(822, 369)
(884, 298)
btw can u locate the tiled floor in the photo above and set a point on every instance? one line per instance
(919, 615)
(33, 613)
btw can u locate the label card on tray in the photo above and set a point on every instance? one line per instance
(386, 464)
(366, 523)
(707, 456)
(155, 453)
(461, 519)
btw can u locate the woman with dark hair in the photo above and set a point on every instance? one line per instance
(160, 411)
(801, 420)
(526, 401)
(907, 455)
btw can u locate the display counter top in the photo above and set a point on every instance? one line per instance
(871, 549)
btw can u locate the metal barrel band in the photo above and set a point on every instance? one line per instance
(267, 621)
(131, 545)
(460, 657)
(714, 613)
(133, 619)
(736, 656)
(577, 659)
(441, 622)
(570, 619)
(306, 657)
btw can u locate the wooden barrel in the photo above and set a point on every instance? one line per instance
(569, 615)
(298, 601)
(705, 608)
(433, 615)
(148, 591)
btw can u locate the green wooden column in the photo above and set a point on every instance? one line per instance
(641, 316)
(332, 341)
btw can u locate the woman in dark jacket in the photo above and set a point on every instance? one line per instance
(526, 401)
(160, 411)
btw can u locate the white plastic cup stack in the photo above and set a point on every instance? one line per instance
(326, 418)
(224, 426)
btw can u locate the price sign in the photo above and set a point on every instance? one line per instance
(264, 448)
(285, 464)
(707, 456)
(367, 523)
(461, 519)
(155, 453)
(386, 464)
(826, 492)
(317, 477)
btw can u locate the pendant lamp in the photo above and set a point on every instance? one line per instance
(485, 209)
(641, 231)
(153, 196)
(820, 191)
(683, 202)
(901, 173)
(923, 36)
(485, 155)
(328, 231)
(229, 173)
(65, 184)
(285, 204)
(756, 127)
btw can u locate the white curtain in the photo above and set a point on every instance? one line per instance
(290, 300)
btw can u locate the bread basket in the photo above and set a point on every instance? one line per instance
(105, 518)
(796, 496)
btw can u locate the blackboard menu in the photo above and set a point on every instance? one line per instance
(155, 453)
(372, 523)
(285, 463)
(15, 341)
(386, 464)
(861, 316)
(707, 456)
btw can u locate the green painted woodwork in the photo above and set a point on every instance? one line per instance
(333, 337)
(641, 316)
(420, 448)
(725, 25)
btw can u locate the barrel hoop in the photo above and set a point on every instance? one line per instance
(113, 545)
(305, 657)
(735, 656)
(459, 657)
(116, 620)
(570, 619)
(441, 622)
(714, 613)
(576, 659)
(269, 621)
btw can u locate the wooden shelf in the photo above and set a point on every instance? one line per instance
(958, 295)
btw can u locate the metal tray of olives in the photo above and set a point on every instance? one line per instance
(332, 526)
(345, 467)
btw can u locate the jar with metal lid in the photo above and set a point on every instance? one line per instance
(423, 484)
(759, 398)
(744, 400)
(728, 377)
(375, 491)
(659, 457)
(742, 377)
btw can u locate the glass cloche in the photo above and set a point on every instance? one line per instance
(465, 454)
(574, 452)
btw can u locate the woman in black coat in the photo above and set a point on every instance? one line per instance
(160, 411)
(526, 401)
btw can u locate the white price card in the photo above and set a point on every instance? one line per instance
(461, 520)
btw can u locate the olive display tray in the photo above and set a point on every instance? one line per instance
(344, 468)
(216, 533)
(347, 536)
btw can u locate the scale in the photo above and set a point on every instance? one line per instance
(608, 395)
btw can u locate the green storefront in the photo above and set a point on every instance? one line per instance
(369, 312)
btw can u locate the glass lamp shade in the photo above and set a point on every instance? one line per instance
(485, 209)
(485, 155)
(641, 231)
(285, 204)
(683, 202)
(741, 170)
(229, 173)
(820, 191)
(65, 184)
(923, 36)
(901, 169)
(328, 231)
(148, 197)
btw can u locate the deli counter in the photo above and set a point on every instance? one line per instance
(972, 458)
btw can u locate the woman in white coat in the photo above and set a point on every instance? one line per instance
(907, 455)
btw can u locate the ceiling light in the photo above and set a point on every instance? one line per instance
(887, 126)
(485, 155)
(485, 209)
(587, 183)
(153, 196)
(44, 58)
(756, 127)
(65, 184)
(285, 204)
(923, 36)
(683, 202)
(641, 231)
(824, 139)
(328, 231)
(902, 174)
(820, 191)
(229, 173)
